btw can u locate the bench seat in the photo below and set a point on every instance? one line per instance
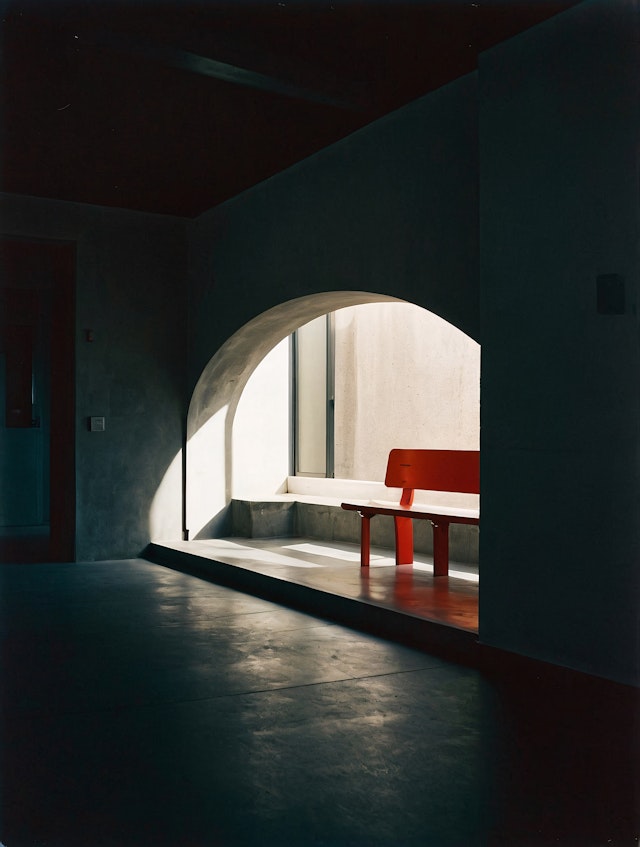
(429, 470)
(423, 510)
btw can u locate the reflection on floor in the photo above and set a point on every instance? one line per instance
(403, 603)
(334, 568)
(142, 706)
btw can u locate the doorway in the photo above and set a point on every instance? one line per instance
(37, 419)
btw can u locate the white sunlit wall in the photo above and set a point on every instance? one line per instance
(261, 437)
(403, 378)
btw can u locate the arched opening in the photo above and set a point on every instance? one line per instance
(209, 455)
(402, 377)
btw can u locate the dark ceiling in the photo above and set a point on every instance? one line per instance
(174, 107)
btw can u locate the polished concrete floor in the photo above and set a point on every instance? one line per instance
(329, 566)
(142, 706)
(405, 603)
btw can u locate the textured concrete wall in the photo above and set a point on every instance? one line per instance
(391, 209)
(560, 545)
(131, 271)
(404, 378)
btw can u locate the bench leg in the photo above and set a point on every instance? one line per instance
(365, 540)
(404, 541)
(440, 549)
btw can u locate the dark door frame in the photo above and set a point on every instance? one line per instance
(60, 261)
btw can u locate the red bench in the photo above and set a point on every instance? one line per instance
(429, 470)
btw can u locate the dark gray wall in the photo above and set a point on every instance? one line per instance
(392, 209)
(131, 277)
(559, 543)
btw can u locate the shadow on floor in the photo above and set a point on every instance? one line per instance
(405, 603)
(141, 705)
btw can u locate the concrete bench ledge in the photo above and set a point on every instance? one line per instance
(318, 516)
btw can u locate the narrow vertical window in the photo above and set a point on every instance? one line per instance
(312, 398)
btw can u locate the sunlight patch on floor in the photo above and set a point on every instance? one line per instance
(330, 552)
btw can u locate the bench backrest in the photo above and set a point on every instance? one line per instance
(433, 470)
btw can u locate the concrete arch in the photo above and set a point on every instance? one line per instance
(223, 379)
(209, 459)
(209, 463)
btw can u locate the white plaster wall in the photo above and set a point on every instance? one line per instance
(207, 493)
(164, 513)
(404, 378)
(260, 436)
